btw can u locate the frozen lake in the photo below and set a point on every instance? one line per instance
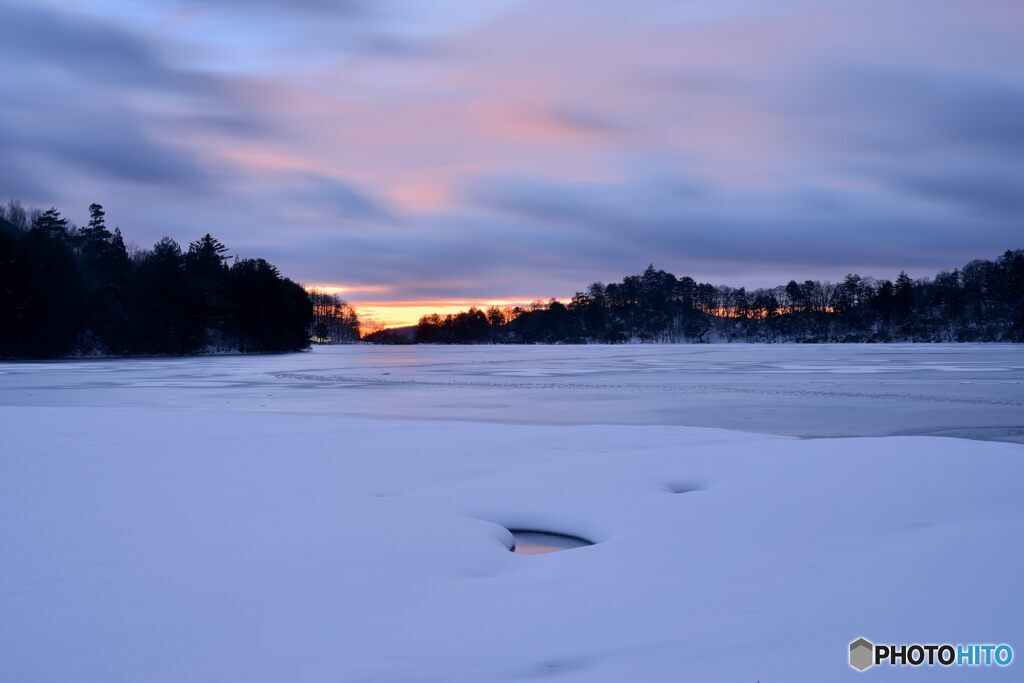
(974, 391)
(344, 514)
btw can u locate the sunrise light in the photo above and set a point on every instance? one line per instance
(493, 340)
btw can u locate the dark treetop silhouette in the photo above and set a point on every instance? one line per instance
(983, 301)
(65, 290)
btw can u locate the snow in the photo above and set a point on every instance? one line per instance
(343, 515)
(795, 390)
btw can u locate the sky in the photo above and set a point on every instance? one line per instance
(423, 155)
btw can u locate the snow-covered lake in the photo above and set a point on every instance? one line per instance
(797, 390)
(343, 514)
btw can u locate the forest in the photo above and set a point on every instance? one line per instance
(79, 291)
(983, 301)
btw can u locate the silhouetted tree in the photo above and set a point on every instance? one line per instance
(983, 301)
(334, 321)
(206, 272)
(65, 290)
(268, 312)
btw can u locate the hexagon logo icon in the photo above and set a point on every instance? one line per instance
(862, 654)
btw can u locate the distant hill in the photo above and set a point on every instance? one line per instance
(393, 335)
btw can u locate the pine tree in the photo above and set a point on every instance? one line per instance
(51, 224)
(903, 294)
(206, 255)
(96, 231)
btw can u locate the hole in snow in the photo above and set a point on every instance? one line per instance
(532, 542)
(683, 487)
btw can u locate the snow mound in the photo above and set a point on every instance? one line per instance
(176, 545)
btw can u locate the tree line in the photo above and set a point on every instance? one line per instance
(983, 301)
(69, 290)
(334, 321)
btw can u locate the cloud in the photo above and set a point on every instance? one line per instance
(339, 199)
(94, 141)
(47, 45)
(711, 231)
(89, 97)
(318, 7)
(898, 108)
(484, 148)
(969, 189)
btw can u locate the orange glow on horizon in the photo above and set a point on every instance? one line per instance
(390, 313)
(404, 313)
(386, 314)
(342, 290)
(756, 313)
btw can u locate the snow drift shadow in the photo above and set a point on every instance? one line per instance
(683, 487)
